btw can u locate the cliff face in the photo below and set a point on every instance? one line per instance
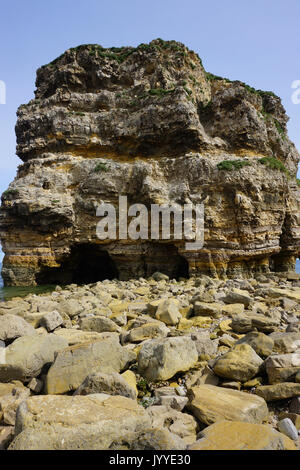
(149, 123)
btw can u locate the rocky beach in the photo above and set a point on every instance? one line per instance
(153, 364)
(139, 342)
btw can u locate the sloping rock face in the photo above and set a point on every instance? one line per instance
(151, 124)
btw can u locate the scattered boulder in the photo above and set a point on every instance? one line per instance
(75, 363)
(99, 324)
(160, 359)
(295, 405)
(79, 422)
(204, 345)
(241, 363)
(285, 342)
(261, 343)
(146, 331)
(234, 435)
(280, 391)
(209, 404)
(181, 424)
(207, 309)
(237, 296)
(111, 384)
(52, 320)
(168, 312)
(282, 368)
(13, 326)
(287, 427)
(26, 356)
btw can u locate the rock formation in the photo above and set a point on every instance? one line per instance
(149, 123)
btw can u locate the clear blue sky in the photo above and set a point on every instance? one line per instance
(256, 41)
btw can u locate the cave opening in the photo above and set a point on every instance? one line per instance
(85, 264)
(92, 264)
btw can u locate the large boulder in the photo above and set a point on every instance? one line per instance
(79, 337)
(147, 331)
(286, 342)
(99, 324)
(13, 326)
(238, 296)
(209, 404)
(168, 312)
(240, 363)
(182, 424)
(111, 384)
(75, 363)
(283, 367)
(279, 391)
(26, 356)
(80, 422)
(235, 435)
(261, 343)
(160, 359)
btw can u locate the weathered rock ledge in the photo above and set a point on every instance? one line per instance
(149, 123)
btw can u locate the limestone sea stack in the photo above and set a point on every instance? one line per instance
(151, 124)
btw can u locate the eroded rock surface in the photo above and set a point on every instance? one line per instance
(150, 123)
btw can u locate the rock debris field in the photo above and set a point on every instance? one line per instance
(153, 363)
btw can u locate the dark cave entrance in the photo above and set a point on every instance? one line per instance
(86, 264)
(91, 264)
(182, 268)
(165, 259)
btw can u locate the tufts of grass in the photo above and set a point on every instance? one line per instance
(280, 130)
(101, 167)
(10, 193)
(274, 164)
(261, 93)
(229, 165)
(160, 91)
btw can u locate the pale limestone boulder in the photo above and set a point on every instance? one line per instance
(204, 344)
(75, 363)
(6, 436)
(279, 391)
(181, 424)
(10, 402)
(70, 307)
(168, 312)
(285, 342)
(237, 296)
(172, 401)
(283, 367)
(246, 323)
(111, 384)
(231, 310)
(155, 439)
(212, 309)
(99, 324)
(13, 326)
(287, 427)
(26, 356)
(160, 359)
(241, 363)
(209, 404)
(80, 422)
(146, 331)
(51, 320)
(74, 336)
(235, 435)
(130, 378)
(261, 343)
